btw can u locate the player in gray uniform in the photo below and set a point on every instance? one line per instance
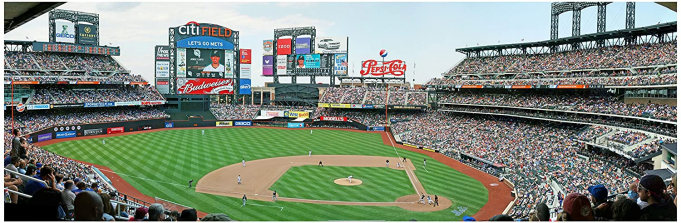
(387, 163)
(244, 200)
(421, 200)
(424, 162)
(239, 179)
(243, 162)
(430, 201)
(274, 196)
(104, 141)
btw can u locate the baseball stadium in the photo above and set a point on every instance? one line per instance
(577, 125)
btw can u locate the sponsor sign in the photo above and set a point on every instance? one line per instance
(64, 31)
(162, 53)
(245, 71)
(570, 86)
(341, 106)
(340, 67)
(87, 34)
(66, 106)
(406, 107)
(274, 113)
(225, 123)
(335, 119)
(206, 63)
(267, 65)
(161, 82)
(244, 86)
(243, 123)
(170, 125)
(368, 106)
(44, 137)
(87, 82)
(26, 82)
(38, 107)
(521, 86)
(267, 47)
(323, 105)
(296, 125)
(245, 56)
(356, 106)
(393, 67)
(153, 102)
(205, 86)
(128, 103)
(193, 28)
(471, 86)
(75, 48)
(181, 62)
(281, 64)
(283, 46)
(99, 104)
(162, 68)
(21, 107)
(115, 130)
(90, 132)
(375, 128)
(144, 127)
(331, 45)
(67, 134)
(303, 45)
(297, 114)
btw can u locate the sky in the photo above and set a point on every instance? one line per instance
(424, 34)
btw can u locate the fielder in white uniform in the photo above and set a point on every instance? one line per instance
(424, 162)
(310, 131)
(398, 164)
(350, 178)
(309, 154)
(243, 162)
(429, 200)
(202, 131)
(103, 141)
(239, 179)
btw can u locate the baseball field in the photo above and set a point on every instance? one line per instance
(160, 164)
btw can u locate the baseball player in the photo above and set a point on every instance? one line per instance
(190, 183)
(436, 202)
(320, 164)
(424, 162)
(239, 179)
(387, 163)
(309, 154)
(243, 162)
(104, 141)
(430, 201)
(310, 131)
(404, 159)
(202, 131)
(350, 178)
(398, 164)
(421, 200)
(244, 200)
(274, 196)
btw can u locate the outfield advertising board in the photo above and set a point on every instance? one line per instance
(340, 67)
(331, 45)
(44, 137)
(170, 125)
(283, 46)
(323, 105)
(245, 56)
(296, 125)
(99, 104)
(67, 134)
(38, 107)
(90, 132)
(334, 119)
(162, 68)
(375, 128)
(243, 123)
(115, 130)
(245, 71)
(64, 31)
(128, 103)
(223, 123)
(245, 86)
(303, 45)
(267, 65)
(341, 106)
(205, 86)
(281, 64)
(87, 34)
(267, 47)
(144, 127)
(298, 114)
(273, 113)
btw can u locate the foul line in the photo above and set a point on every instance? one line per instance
(408, 169)
(424, 167)
(143, 178)
(282, 208)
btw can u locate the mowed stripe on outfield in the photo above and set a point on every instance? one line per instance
(177, 156)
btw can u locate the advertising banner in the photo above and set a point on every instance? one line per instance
(128, 103)
(245, 56)
(296, 125)
(281, 64)
(245, 71)
(335, 119)
(87, 34)
(44, 137)
(341, 106)
(181, 62)
(267, 49)
(375, 128)
(267, 65)
(298, 114)
(356, 106)
(323, 105)
(272, 113)
(67, 106)
(153, 102)
(115, 130)
(303, 45)
(99, 104)
(243, 123)
(64, 31)
(68, 134)
(283, 46)
(245, 86)
(170, 125)
(205, 86)
(340, 65)
(331, 45)
(162, 68)
(368, 106)
(207, 63)
(38, 107)
(225, 123)
(393, 67)
(91, 132)
(144, 127)
(570, 86)
(162, 53)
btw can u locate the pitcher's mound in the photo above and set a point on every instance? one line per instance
(409, 203)
(346, 182)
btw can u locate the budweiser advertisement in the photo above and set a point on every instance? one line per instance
(375, 68)
(336, 119)
(205, 86)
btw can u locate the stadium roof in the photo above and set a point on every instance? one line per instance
(648, 30)
(669, 5)
(663, 173)
(19, 13)
(671, 147)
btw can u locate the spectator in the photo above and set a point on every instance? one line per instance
(68, 197)
(140, 214)
(16, 143)
(543, 213)
(660, 205)
(501, 217)
(80, 187)
(599, 198)
(576, 208)
(174, 215)
(47, 175)
(16, 161)
(156, 212)
(626, 210)
(188, 215)
(11, 184)
(216, 217)
(109, 212)
(47, 200)
(88, 206)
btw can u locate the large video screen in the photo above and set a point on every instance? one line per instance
(205, 63)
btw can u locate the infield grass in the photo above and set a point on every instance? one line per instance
(159, 164)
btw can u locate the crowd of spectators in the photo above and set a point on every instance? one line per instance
(61, 61)
(650, 148)
(663, 79)
(374, 95)
(604, 105)
(593, 132)
(397, 97)
(606, 57)
(39, 76)
(417, 98)
(234, 112)
(39, 120)
(58, 95)
(628, 137)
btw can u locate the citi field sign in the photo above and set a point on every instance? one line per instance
(192, 29)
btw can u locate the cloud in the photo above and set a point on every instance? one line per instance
(117, 6)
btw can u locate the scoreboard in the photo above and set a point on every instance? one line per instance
(76, 48)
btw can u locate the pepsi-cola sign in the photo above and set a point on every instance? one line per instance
(393, 67)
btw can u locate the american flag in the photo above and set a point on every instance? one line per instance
(344, 63)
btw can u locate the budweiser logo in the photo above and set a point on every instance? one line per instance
(190, 87)
(395, 67)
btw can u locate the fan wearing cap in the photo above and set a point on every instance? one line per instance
(661, 207)
(576, 207)
(599, 198)
(215, 65)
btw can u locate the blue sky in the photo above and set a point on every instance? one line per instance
(423, 33)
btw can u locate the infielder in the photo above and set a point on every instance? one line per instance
(274, 196)
(243, 162)
(190, 183)
(239, 179)
(104, 141)
(350, 178)
(320, 164)
(421, 200)
(244, 200)
(309, 154)
(387, 163)
(398, 164)
(202, 131)
(430, 201)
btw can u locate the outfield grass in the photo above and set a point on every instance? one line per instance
(159, 164)
(379, 184)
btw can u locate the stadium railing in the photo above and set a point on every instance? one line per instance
(26, 176)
